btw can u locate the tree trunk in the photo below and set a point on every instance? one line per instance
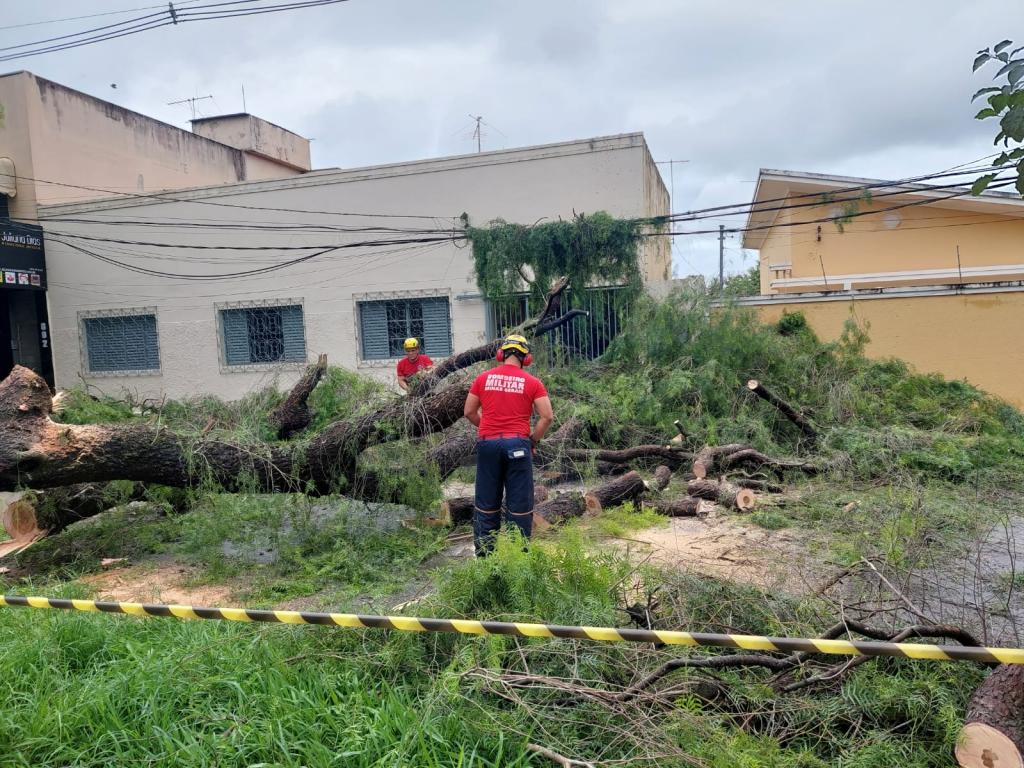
(292, 415)
(715, 458)
(726, 494)
(36, 451)
(687, 506)
(563, 507)
(662, 477)
(993, 733)
(455, 451)
(791, 413)
(629, 487)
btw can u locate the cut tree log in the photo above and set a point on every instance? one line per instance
(993, 732)
(662, 477)
(708, 457)
(724, 493)
(628, 487)
(688, 506)
(292, 415)
(54, 509)
(787, 410)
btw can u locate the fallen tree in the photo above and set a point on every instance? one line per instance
(292, 415)
(715, 459)
(802, 422)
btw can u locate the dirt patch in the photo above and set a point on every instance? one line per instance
(164, 581)
(728, 547)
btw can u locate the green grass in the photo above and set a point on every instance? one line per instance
(99, 690)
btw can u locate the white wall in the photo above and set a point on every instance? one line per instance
(517, 185)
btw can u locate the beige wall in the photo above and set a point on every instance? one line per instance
(975, 336)
(524, 185)
(258, 136)
(54, 133)
(922, 237)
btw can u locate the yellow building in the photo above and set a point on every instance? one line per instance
(937, 275)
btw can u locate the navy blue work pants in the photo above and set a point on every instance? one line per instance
(504, 472)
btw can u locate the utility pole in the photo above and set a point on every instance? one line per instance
(721, 258)
(476, 131)
(191, 102)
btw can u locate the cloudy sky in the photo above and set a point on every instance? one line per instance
(874, 88)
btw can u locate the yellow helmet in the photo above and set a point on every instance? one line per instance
(411, 343)
(518, 344)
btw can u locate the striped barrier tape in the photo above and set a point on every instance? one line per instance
(519, 629)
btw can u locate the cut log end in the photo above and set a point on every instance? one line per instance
(982, 746)
(745, 499)
(19, 519)
(700, 469)
(753, 384)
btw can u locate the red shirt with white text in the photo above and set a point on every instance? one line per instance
(506, 398)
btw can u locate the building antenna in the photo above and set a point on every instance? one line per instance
(476, 131)
(243, 99)
(191, 102)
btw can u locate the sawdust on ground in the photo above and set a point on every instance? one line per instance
(164, 581)
(726, 546)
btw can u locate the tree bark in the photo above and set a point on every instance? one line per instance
(787, 410)
(292, 415)
(660, 453)
(993, 733)
(727, 494)
(38, 452)
(716, 458)
(628, 487)
(688, 506)
(662, 477)
(455, 451)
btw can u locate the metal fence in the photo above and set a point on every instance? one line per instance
(583, 338)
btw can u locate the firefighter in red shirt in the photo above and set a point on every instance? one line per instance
(413, 362)
(500, 403)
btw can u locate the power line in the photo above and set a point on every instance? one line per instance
(151, 21)
(167, 197)
(90, 16)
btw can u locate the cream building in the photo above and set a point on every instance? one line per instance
(223, 328)
(58, 145)
(936, 274)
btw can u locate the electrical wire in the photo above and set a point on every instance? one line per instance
(167, 197)
(90, 16)
(148, 22)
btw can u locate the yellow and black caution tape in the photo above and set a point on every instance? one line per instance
(520, 629)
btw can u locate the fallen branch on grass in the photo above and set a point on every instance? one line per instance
(787, 410)
(292, 415)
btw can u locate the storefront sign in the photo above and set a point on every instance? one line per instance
(22, 265)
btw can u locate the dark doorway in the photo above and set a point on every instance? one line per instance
(6, 348)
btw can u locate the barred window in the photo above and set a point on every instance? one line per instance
(272, 334)
(121, 343)
(385, 325)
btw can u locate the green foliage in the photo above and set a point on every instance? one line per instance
(589, 250)
(1005, 104)
(79, 407)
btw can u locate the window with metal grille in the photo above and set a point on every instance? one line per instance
(121, 343)
(385, 325)
(256, 335)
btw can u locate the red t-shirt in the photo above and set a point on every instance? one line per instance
(407, 367)
(506, 396)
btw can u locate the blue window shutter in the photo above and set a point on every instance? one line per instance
(127, 343)
(236, 336)
(373, 330)
(437, 327)
(294, 334)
